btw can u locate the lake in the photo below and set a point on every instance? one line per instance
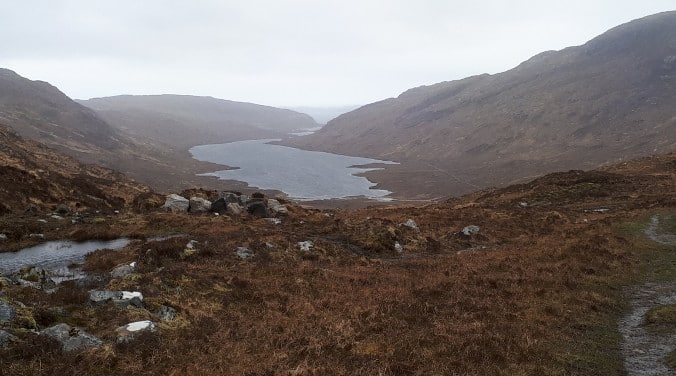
(301, 174)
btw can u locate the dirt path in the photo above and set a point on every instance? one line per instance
(644, 351)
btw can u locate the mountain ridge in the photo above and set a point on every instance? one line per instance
(580, 107)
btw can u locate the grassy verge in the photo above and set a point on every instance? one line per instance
(596, 348)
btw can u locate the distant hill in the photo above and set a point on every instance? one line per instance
(156, 156)
(611, 99)
(184, 121)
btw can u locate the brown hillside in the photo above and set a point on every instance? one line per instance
(31, 173)
(608, 100)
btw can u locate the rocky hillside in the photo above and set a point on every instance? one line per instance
(183, 121)
(38, 178)
(610, 99)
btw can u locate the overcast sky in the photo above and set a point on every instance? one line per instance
(289, 53)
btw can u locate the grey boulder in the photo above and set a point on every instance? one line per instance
(176, 203)
(72, 339)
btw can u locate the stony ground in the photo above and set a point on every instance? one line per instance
(535, 288)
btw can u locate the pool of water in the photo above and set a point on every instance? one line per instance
(55, 254)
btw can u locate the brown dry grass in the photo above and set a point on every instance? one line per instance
(535, 293)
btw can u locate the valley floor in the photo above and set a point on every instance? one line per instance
(537, 288)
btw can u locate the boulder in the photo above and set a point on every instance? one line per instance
(166, 313)
(277, 208)
(3, 236)
(122, 271)
(219, 206)
(235, 208)
(470, 230)
(233, 198)
(72, 339)
(398, 248)
(6, 312)
(176, 204)
(199, 205)
(128, 332)
(5, 339)
(257, 209)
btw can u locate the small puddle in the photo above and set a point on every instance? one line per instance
(55, 254)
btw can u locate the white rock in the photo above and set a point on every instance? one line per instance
(140, 325)
(3, 237)
(398, 247)
(126, 295)
(410, 224)
(306, 246)
(274, 221)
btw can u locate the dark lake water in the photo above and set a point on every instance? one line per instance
(301, 174)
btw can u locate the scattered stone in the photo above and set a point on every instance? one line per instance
(410, 224)
(176, 203)
(124, 303)
(38, 236)
(3, 236)
(235, 208)
(244, 253)
(6, 312)
(31, 208)
(274, 221)
(269, 245)
(122, 271)
(166, 313)
(128, 332)
(190, 249)
(257, 209)
(57, 217)
(71, 338)
(306, 246)
(5, 339)
(91, 280)
(277, 208)
(62, 209)
(199, 205)
(523, 204)
(100, 296)
(470, 230)
(398, 248)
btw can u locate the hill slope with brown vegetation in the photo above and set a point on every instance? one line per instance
(32, 174)
(608, 100)
(39, 111)
(536, 290)
(184, 121)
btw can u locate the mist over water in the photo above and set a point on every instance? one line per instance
(302, 174)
